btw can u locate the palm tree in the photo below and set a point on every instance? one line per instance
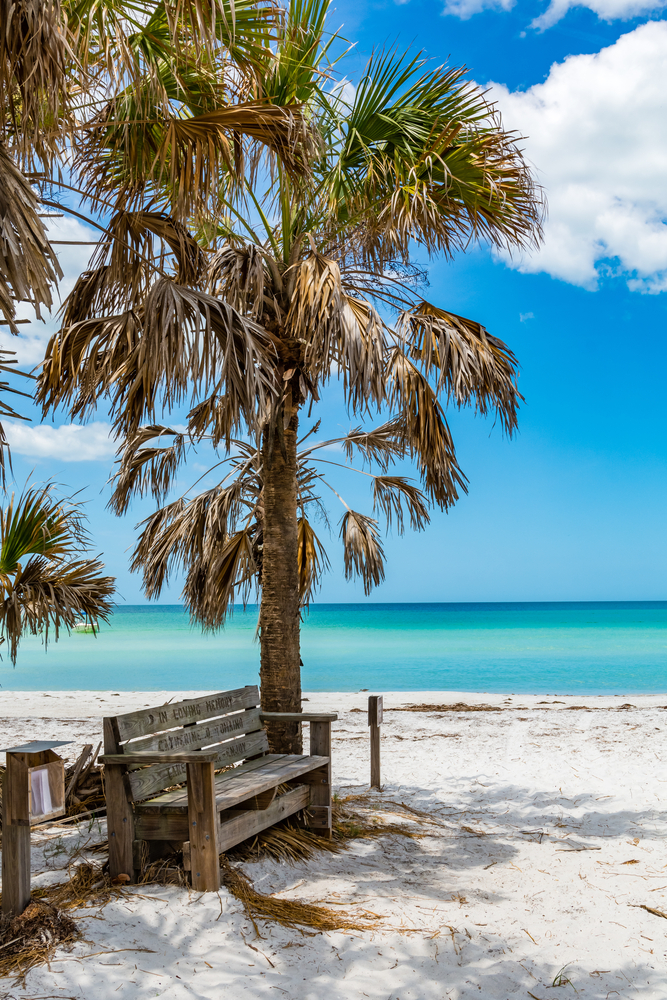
(46, 579)
(246, 296)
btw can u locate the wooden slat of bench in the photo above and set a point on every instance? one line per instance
(241, 783)
(179, 796)
(157, 720)
(149, 781)
(242, 824)
(248, 823)
(204, 734)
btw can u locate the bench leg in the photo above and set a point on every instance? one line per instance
(320, 793)
(202, 821)
(120, 823)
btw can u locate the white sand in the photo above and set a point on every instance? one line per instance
(536, 811)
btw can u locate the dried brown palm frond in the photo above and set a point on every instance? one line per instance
(214, 583)
(338, 330)
(380, 445)
(82, 359)
(191, 532)
(363, 552)
(421, 424)
(143, 469)
(36, 63)
(130, 248)
(214, 417)
(182, 343)
(7, 362)
(45, 595)
(239, 275)
(29, 939)
(390, 493)
(28, 264)
(473, 367)
(187, 161)
(289, 912)
(313, 561)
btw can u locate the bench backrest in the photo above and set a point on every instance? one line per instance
(227, 721)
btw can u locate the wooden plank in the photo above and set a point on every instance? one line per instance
(249, 823)
(154, 757)
(178, 798)
(242, 783)
(319, 818)
(150, 780)
(203, 734)
(320, 792)
(132, 725)
(15, 836)
(78, 767)
(162, 826)
(264, 778)
(203, 822)
(120, 817)
(375, 757)
(375, 709)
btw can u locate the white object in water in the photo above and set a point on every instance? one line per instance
(83, 627)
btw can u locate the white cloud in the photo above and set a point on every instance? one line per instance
(68, 443)
(524, 317)
(606, 10)
(466, 8)
(33, 338)
(595, 132)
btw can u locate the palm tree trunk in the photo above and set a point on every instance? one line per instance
(279, 617)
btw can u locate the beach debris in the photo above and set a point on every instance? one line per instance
(649, 909)
(288, 912)
(562, 980)
(459, 706)
(30, 938)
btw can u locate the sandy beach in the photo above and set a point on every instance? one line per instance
(541, 837)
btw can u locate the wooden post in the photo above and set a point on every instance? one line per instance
(120, 815)
(320, 790)
(25, 799)
(375, 721)
(15, 836)
(202, 823)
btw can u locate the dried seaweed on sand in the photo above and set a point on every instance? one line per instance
(288, 912)
(30, 938)
(458, 707)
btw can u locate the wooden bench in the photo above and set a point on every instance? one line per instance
(155, 749)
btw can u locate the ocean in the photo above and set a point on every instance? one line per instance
(522, 648)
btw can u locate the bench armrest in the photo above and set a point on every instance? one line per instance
(146, 757)
(299, 716)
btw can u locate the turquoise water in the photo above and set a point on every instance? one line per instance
(563, 648)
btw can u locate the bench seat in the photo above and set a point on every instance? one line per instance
(240, 783)
(182, 744)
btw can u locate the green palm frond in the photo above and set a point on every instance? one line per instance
(38, 523)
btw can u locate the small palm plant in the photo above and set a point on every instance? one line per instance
(46, 579)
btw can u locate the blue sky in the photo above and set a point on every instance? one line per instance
(573, 508)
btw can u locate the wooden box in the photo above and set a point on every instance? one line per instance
(46, 789)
